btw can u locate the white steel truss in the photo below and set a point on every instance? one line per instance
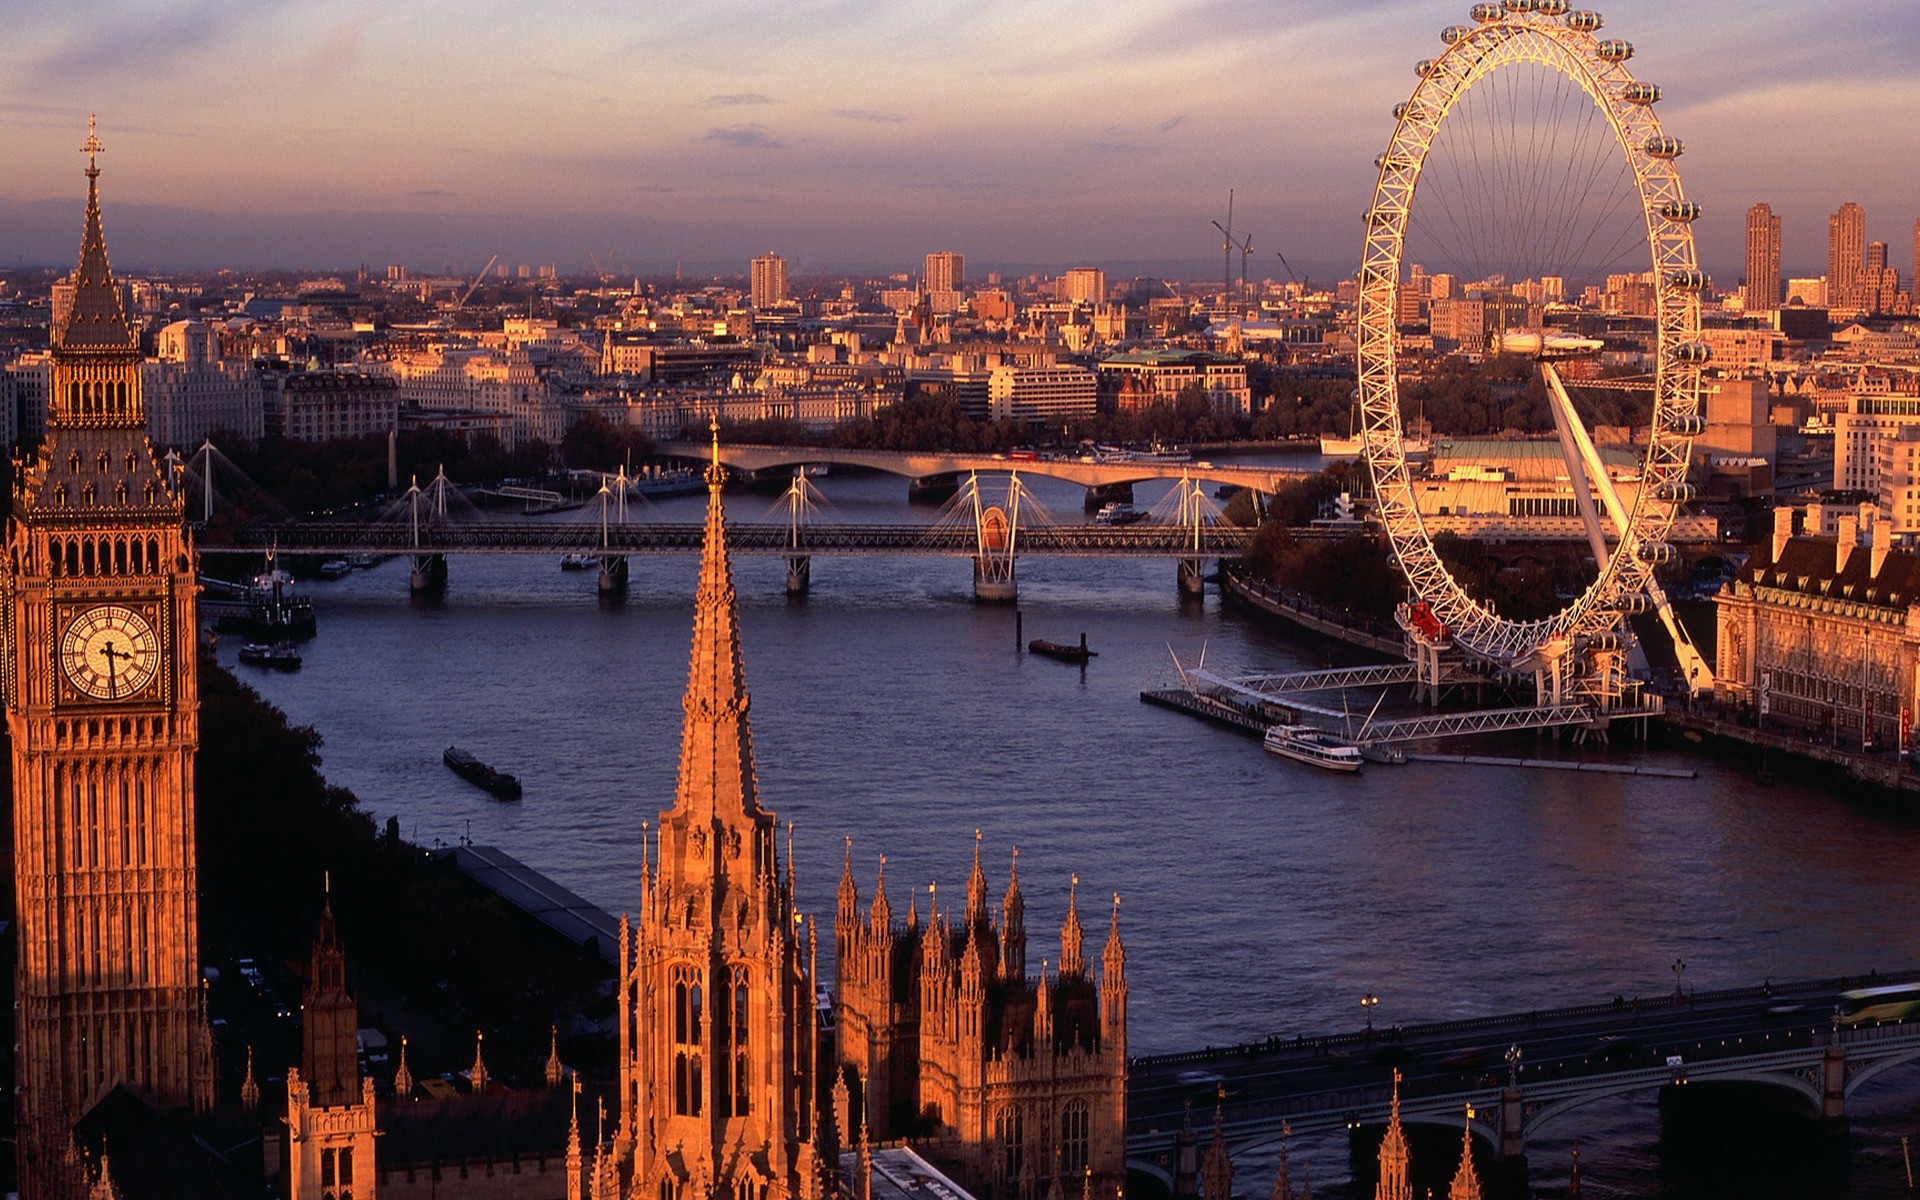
(1544, 33)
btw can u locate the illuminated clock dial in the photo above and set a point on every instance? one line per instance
(109, 652)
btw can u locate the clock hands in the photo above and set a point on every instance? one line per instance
(113, 680)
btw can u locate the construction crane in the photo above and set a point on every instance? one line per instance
(1227, 248)
(474, 286)
(1299, 279)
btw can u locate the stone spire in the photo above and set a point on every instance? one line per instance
(716, 743)
(1282, 1185)
(96, 321)
(1114, 974)
(976, 888)
(1216, 1171)
(554, 1069)
(329, 1023)
(573, 1146)
(847, 906)
(1013, 926)
(1393, 1183)
(1072, 941)
(249, 1087)
(1466, 1181)
(881, 912)
(477, 1074)
(403, 1078)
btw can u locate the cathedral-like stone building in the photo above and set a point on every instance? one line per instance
(715, 975)
(97, 663)
(1016, 1085)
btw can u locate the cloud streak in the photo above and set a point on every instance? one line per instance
(750, 136)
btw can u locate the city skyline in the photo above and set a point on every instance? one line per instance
(850, 140)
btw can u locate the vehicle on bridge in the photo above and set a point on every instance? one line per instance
(1893, 1002)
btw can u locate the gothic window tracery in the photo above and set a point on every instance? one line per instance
(1010, 1133)
(1073, 1137)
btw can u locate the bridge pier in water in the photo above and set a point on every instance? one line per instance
(1192, 576)
(799, 574)
(429, 575)
(613, 575)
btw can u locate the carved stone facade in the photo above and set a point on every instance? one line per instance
(1014, 1085)
(1832, 629)
(717, 1039)
(330, 1112)
(98, 668)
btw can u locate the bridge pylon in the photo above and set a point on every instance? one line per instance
(613, 510)
(429, 574)
(996, 531)
(1194, 514)
(799, 564)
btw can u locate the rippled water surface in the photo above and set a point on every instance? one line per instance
(1258, 897)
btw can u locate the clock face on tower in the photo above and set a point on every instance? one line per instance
(109, 652)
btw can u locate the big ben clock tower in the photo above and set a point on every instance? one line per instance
(97, 611)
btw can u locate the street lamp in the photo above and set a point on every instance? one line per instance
(1679, 969)
(1369, 1002)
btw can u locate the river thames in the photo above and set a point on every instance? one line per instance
(1258, 897)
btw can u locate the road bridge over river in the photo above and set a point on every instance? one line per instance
(1520, 1071)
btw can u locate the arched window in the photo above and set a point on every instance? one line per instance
(1073, 1137)
(1009, 1132)
(686, 1037)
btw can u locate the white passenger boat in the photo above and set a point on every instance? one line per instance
(1303, 743)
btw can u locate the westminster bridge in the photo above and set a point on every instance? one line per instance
(1518, 1071)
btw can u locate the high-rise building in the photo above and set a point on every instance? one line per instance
(1846, 254)
(98, 615)
(767, 283)
(1084, 285)
(946, 271)
(1763, 258)
(715, 976)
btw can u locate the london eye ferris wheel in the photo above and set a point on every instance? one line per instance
(1528, 165)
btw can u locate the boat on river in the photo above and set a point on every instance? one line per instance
(1315, 747)
(1064, 651)
(1119, 512)
(579, 562)
(275, 656)
(502, 785)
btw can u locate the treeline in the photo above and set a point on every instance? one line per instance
(272, 832)
(307, 477)
(1358, 571)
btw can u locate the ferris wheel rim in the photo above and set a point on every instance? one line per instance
(1523, 31)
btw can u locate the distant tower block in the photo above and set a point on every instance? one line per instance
(1763, 258)
(767, 281)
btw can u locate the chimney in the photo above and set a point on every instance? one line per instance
(1882, 544)
(1782, 532)
(1846, 541)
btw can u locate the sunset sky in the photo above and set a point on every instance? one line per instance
(854, 135)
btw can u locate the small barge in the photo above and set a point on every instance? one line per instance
(502, 785)
(1064, 651)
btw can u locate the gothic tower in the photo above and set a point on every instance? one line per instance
(97, 619)
(716, 1000)
(330, 1118)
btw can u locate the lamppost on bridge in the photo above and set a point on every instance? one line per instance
(1679, 969)
(1368, 1003)
(1513, 1065)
